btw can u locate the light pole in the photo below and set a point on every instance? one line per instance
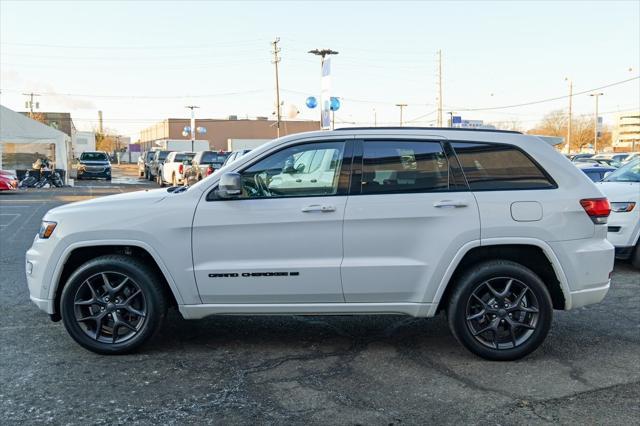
(595, 126)
(570, 110)
(451, 118)
(401, 106)
(323, 53)
(193, 125)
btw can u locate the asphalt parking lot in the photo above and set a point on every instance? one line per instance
(322, 370)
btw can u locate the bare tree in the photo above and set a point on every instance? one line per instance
(582, 128)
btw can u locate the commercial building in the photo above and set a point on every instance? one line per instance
(625, 135)
(220, 131)
(58, 120)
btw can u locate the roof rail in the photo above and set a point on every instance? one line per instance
(457, 129)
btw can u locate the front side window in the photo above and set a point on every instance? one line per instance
(299, 171)
(403, 166)
(499, 167)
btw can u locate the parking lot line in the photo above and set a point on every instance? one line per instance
(13, 218)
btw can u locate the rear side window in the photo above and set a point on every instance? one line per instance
(499, 167)
(403, 166)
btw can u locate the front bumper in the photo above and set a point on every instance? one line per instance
(39, 275)
(89, 174)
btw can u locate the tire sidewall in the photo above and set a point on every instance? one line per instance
(470, 281)
(155, 308)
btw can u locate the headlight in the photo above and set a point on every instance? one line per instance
(623, 207)
(46, 229)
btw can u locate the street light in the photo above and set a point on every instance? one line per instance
(325, 90)
(401, 106)
(595, 126)
(193, 125)
(451, 118)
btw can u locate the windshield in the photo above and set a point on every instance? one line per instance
(93, 156)
(630, 172)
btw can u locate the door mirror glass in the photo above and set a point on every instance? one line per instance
(230, 185)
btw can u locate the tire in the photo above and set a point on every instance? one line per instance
(635, 257)
(173, 180)
(151, 301)
(160, 180)
(482, 301)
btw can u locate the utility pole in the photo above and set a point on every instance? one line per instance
(29, 104)
(100, 122)
(193, 125)
(439, 117)
(569, 125)
(375, 118)
(401, 106)
(275, 61)
(595, 126)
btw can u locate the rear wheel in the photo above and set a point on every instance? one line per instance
(174, 182)
(635, 257)
(500, 310)
(112, 304)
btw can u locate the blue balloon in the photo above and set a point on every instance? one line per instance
(311, 102)
(335, 104)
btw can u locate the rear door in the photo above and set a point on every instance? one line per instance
(407, 215)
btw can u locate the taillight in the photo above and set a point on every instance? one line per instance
(209, 170)
(598, 209)
(181, 169)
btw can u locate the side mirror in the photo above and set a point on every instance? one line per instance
(606, 175)
(230, 185)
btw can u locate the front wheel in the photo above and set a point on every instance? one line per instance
(635, 257)
(500, 310)
(112, 304)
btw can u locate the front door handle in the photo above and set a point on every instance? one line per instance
(318, 208)
(450, 204)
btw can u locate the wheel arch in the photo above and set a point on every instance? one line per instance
(77, 254)
(534, 254)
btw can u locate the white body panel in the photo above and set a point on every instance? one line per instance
(366, 254)
(628, 222)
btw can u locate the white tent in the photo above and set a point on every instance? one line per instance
(16, 128)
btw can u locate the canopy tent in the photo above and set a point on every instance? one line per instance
(18, 129)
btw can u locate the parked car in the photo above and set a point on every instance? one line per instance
(595, 171)
(235, 155)
(203, 164)
(632, 156)
(156, 162)
(94, 164)
(491, 227)
(580, 156)
(173, 167)
(144, 163)
(622, 187)
(602, 161)
(617, 156)
(8, 181)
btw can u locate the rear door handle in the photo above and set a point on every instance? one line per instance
(450, 204)
(318, 208)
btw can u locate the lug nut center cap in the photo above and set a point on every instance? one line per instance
(502, 313)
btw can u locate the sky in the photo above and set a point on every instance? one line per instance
(141, 62)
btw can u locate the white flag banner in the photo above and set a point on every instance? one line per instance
(325, 95)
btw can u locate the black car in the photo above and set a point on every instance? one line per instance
(147, 159)
(203, 164)
(158, 158)
(94, 164)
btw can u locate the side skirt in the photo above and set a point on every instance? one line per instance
(205, 310)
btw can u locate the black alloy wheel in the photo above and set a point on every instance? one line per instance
(500, 310)
(113, 304)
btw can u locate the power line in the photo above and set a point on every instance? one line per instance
(86, 95)
(550, 99)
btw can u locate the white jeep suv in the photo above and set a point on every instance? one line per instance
(496, 229)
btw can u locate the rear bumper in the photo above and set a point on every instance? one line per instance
(624, 253)
(589, 297)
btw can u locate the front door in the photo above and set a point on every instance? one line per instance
(280, 241)
(407, 217)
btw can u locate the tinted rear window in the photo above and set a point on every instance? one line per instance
(181, 157)
(403, 166)
(210, 157)
(93, 156)
(499, 167)
(163, 154)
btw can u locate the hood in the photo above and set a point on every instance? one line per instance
(620, 191)
(125, 201)
(94, 162)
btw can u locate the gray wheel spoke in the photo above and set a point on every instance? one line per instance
(476, 316)
(98, 326)
(106, 282)
(528, 309)
(86, 302)
(131, 297)
(493, 326)
(120, 286)
(134, 311)
(492, 290)
(513, 335)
